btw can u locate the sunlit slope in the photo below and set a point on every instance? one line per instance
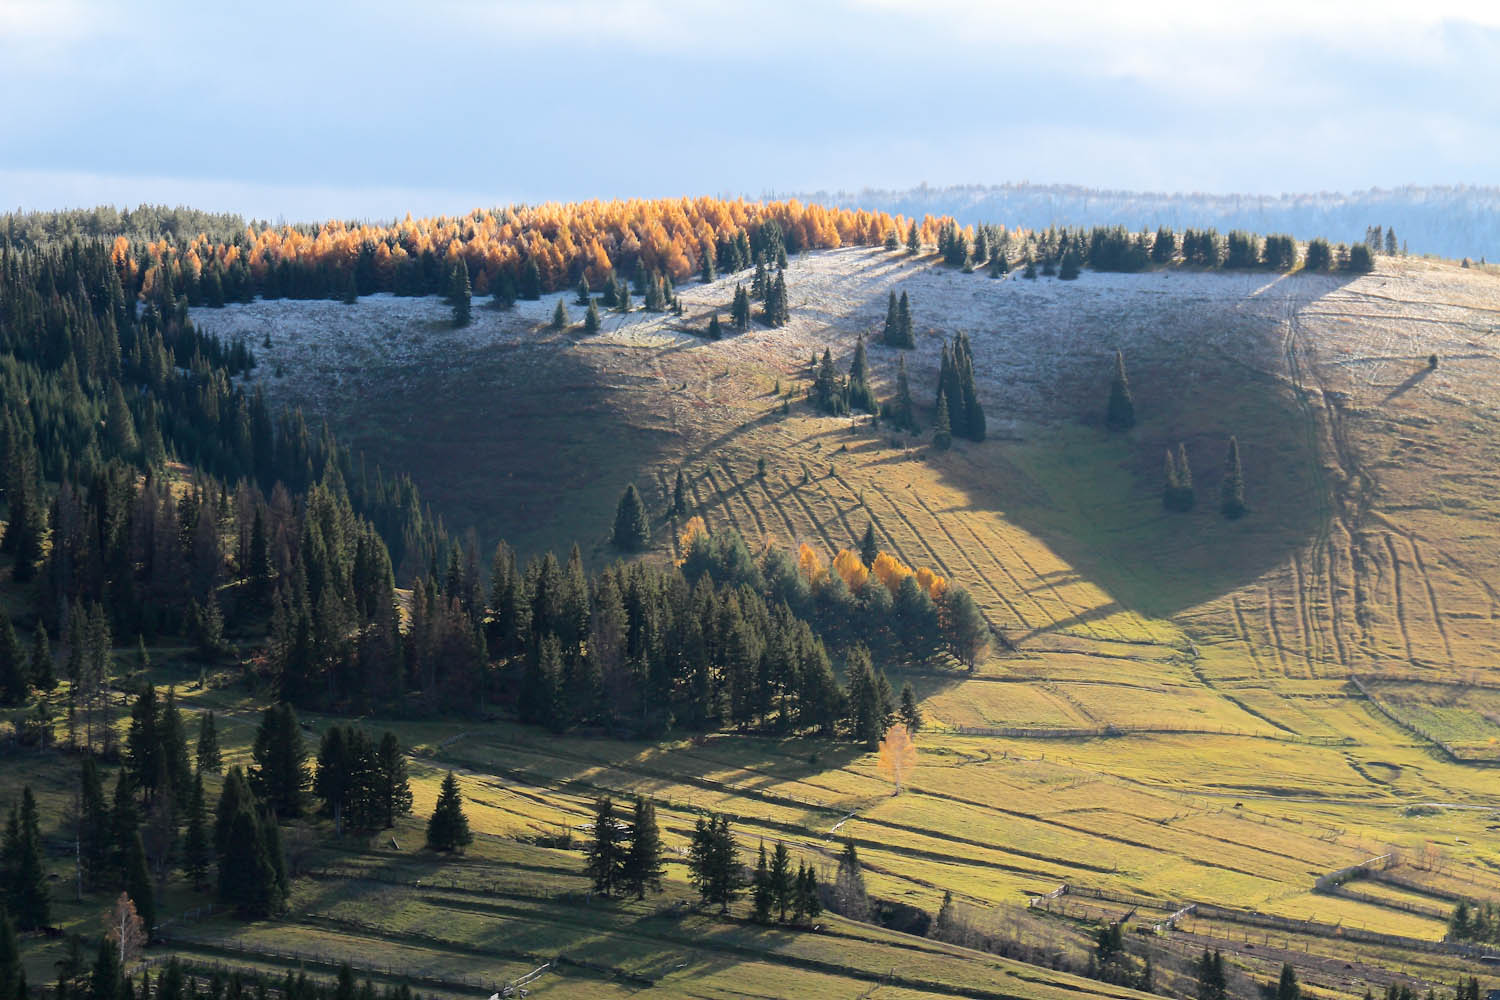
(1369, 478)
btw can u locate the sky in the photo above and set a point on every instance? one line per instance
(323, 108)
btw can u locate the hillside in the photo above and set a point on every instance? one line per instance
(1190, 722)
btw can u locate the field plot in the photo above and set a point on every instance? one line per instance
(1193, 734)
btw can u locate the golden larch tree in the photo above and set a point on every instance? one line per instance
(898, 755)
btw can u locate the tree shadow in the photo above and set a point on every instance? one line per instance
(1413, 380)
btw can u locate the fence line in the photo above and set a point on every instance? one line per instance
(1117, 730)
(1390, 713)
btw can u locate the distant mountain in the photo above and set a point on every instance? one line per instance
(1447, 221)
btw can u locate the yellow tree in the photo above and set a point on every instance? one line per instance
(849, 566)
(124, 928)
(898, 755)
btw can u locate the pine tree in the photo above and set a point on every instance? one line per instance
(247, 877)
(502, 290)
(869, 549)
(903, 413)
(43, 670)
(460, 296)
(913, 240)
(1120, 411)
(560, 316)
(25, 875)
(92, 834)
(643, 869)
(777, 310)
(911, 715)
(714, 331)
(197, 852)
(706, 265)
(448, 829)
(1288, 988)
(584, 297)
(138, 883)
(15, 668)
(1232, 486)
(208, 756)
(606, 850)
(280, 774)
(679, 495)
(1179, 494)
(531, 281)
(762, 899)
(632, 531)
(714, 863)
(942, 435)
(1070, 267)
(392, 787)
(334, 776)
(904, 334)
(890, 334)
(739, 311)
(781, 880)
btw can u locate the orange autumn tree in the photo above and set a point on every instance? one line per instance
(898, 755)
(849, 566)
(564, 241)
(811, 566)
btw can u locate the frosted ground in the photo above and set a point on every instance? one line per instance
(1038, 343)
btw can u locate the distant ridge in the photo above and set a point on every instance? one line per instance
(1454, 221)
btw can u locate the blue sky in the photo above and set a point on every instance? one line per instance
(373, 109)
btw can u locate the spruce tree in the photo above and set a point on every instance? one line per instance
(1120, 411)
(904, 335)
(890, 333)
(448, 829)
(584, 298)
(138, 883)
(903, 413)
(15, 667)
(605, 866)
(643, 869)
(869, 549)
(247, 878)
(280, 774)
(762, 898)
(632, 530)
(679, 495)
(781, 880)
(739, 311)
(197, 852)
(392, 787)
(560, 316)
(27, 896)
(714, 331)
(1288, 988)
(43, 670)
(1232, 486)
(911, 715)
(208, 756)
(93, 827)
(706, 265)
(531, 281)
(591, 319)
(460, 296)
(913, 240)
(942, 434)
